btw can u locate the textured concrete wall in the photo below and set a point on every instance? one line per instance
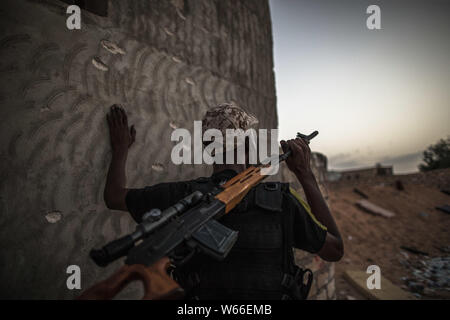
(166, 61)
(323, 286)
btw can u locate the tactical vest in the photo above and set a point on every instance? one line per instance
(261, 263)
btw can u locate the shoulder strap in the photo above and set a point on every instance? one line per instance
(305, 205)
(288, 222)
(293, 279)
(202, 184)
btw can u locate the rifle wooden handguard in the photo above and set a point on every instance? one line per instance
(158, 285)
(237, 188)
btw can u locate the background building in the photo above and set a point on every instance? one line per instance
(361, 174)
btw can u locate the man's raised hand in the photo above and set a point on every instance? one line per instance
(122, 136)
(299, 161)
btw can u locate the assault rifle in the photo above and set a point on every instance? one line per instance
(188, 226)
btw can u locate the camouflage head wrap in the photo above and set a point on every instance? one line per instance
(228, 116)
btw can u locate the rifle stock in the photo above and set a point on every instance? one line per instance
(158, 285)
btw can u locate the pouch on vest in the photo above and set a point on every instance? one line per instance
(269, 196)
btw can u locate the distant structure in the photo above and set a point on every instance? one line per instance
(360, 174)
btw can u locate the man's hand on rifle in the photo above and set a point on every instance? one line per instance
(122, 136)
(299, 161)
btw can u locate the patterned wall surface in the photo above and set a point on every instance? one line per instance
(166, 61)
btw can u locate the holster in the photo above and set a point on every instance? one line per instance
(298, 285)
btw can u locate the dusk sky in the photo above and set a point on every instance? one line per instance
(374, 95)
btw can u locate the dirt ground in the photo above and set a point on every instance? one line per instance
(371, 239)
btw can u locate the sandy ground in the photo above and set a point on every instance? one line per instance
(371, 239)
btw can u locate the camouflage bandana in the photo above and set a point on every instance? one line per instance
(228, 116)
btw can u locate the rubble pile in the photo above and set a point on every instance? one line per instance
(430, 277)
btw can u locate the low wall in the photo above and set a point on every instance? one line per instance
(439, 178)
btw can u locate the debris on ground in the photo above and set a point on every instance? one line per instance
(414, 250)
(445, 208)
(362, 194)
(430, 276)
(445, 249)
(399, 185)
(423, 215)
(374, 209)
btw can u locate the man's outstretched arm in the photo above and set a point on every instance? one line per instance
(122, 137)
(299, 164)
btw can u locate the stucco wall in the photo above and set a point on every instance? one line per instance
(175, 59)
